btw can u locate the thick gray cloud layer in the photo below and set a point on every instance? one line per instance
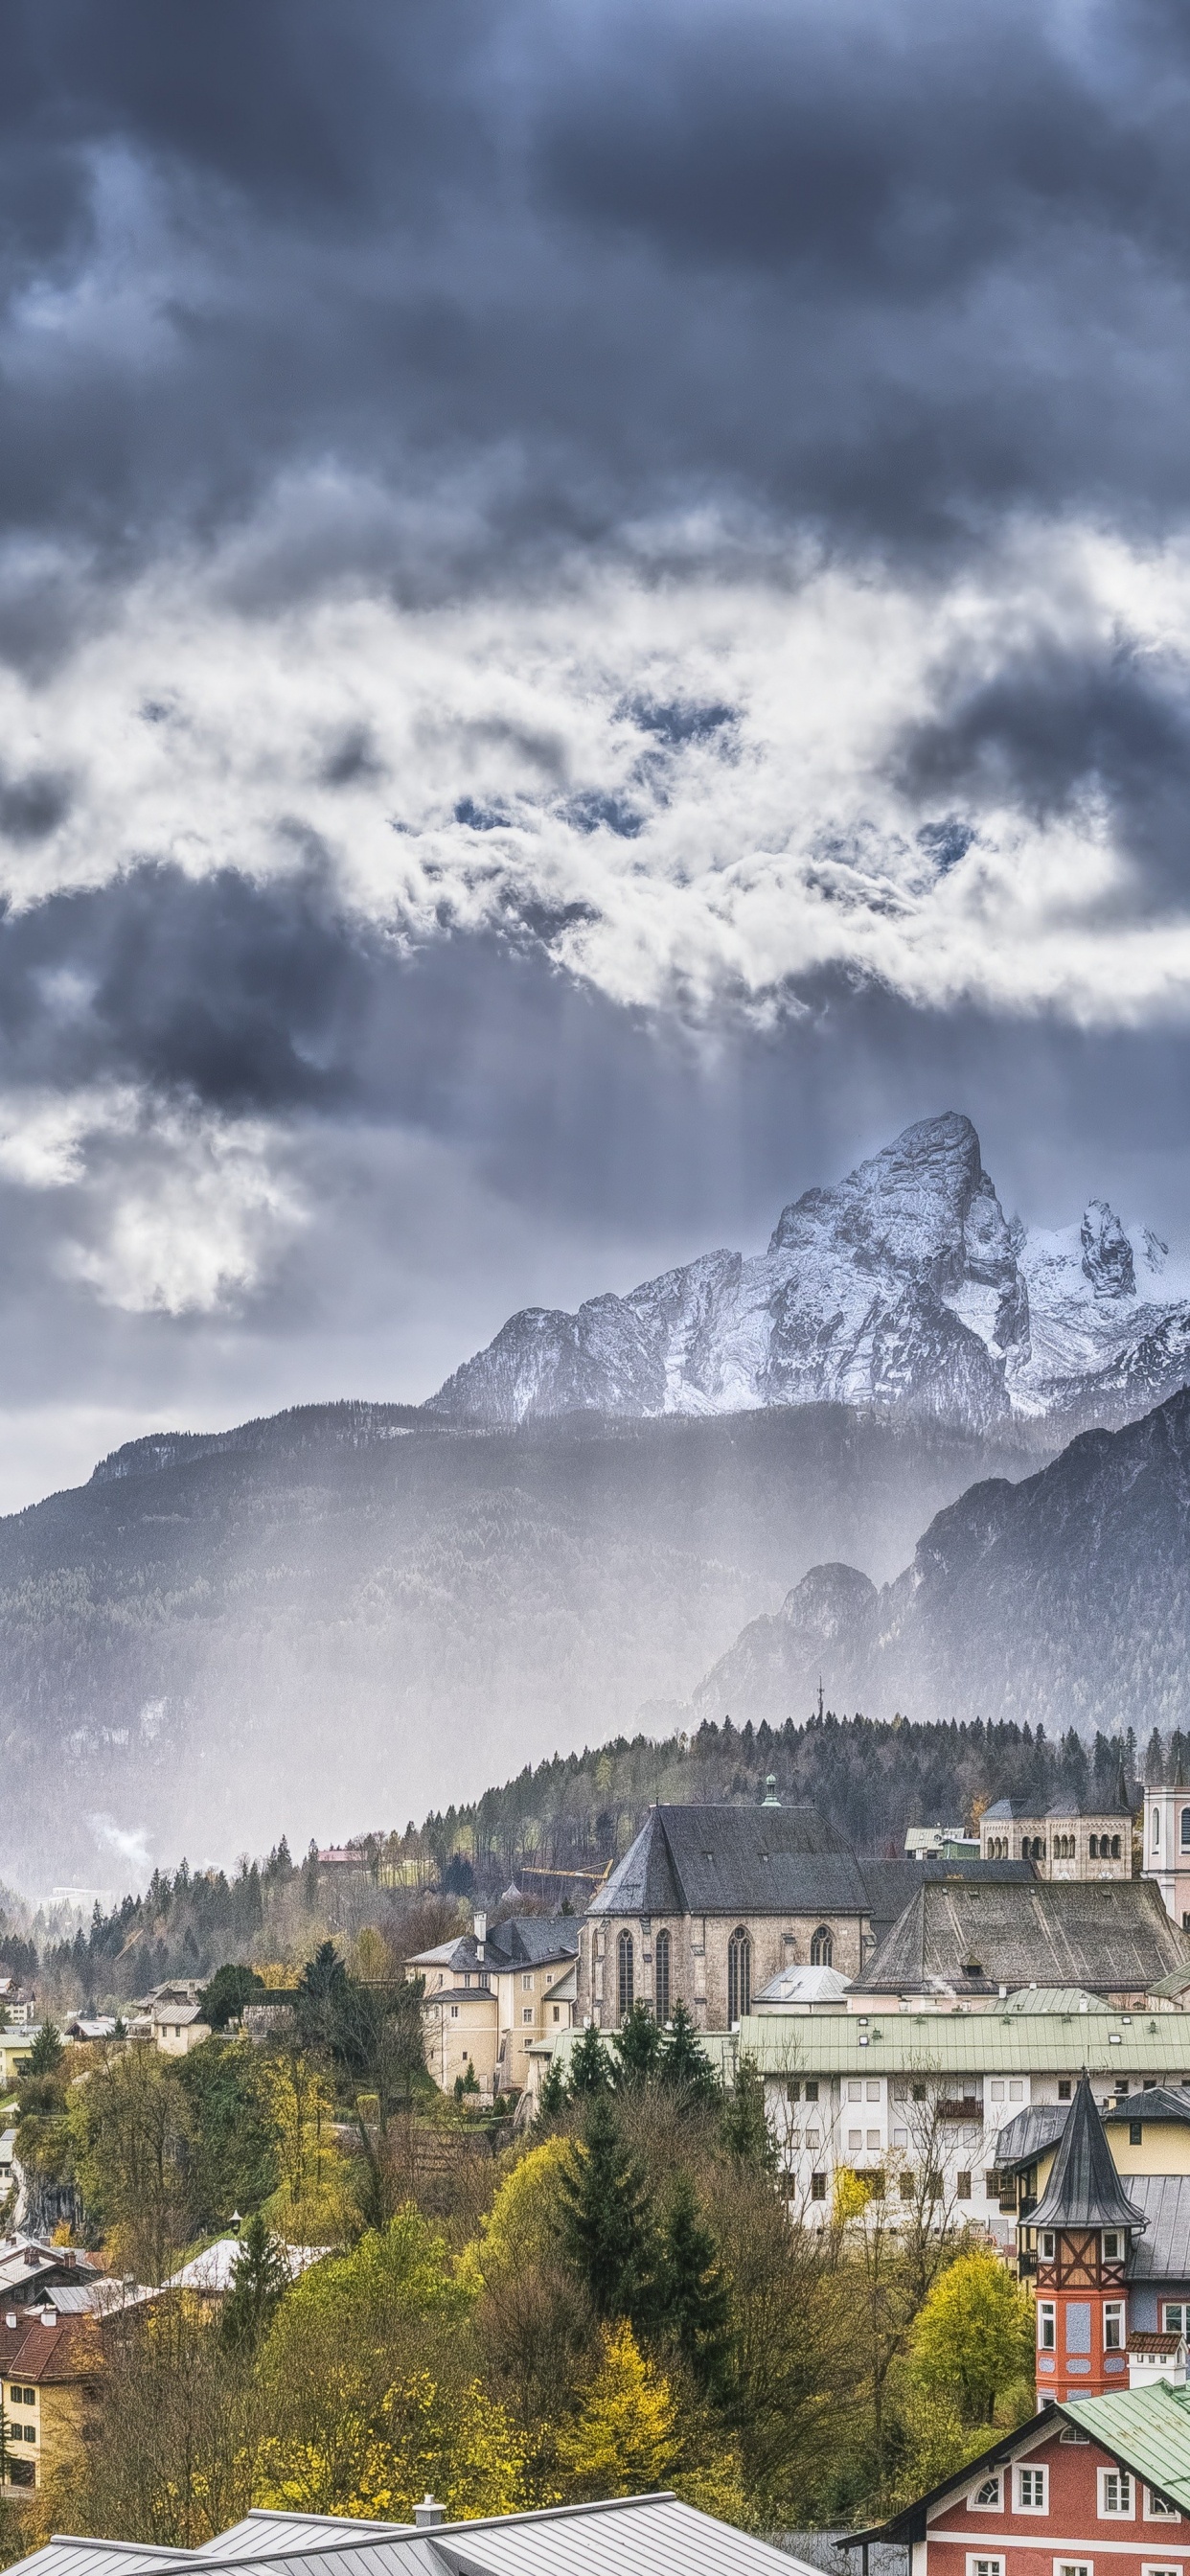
(594, 610)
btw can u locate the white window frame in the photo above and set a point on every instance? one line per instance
(1154, 2512)
(995, 2477)
(1113, 2251)
(1168, 2567)
(1029, 2469)
(1176, 2307)
(980, 2563)
(1074, 2567)
(1115, 2512)
(1047, 2315)
(1047, 2245)
(1114, 2309)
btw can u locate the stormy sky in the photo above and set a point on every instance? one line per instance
(594, 614)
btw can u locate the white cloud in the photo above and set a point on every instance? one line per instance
(175, 1211)
(491, 737)
(193, 1226)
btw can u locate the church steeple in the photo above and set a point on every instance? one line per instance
(1079, 2238)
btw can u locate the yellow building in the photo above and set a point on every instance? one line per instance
(490, 1996)
(48, 2367)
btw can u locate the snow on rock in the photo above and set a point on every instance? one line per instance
(903, 1287)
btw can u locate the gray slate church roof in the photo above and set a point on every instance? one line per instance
(768, 1860)
(1111, 1936)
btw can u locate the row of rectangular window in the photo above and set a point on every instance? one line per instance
(1078, 2325)
(980, 2566)
(1116, 2490)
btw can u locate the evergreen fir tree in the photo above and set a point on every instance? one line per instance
(553, 2095)
(743, 2128)
(47, 2052)
(692, 2301)
(684, 2065)
(638, 2045)
(608, 2227)
(589, 2069)
(258, 2284)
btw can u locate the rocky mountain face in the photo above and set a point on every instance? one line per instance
(1062, 1600)
(904, 1288)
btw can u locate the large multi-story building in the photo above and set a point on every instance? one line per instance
(490, 1997)
(711, 1903)
(913, 2104)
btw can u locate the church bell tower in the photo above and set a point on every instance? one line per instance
(1080, 2238)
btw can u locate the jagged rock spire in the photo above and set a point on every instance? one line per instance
(1084, 2189)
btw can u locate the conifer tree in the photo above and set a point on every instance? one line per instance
(589, 2069)
(258, 2284)
(608, 2226)
(553, 2095)
(692, 2302)
(744, 2128)
(639, 2049)
(684, 2065)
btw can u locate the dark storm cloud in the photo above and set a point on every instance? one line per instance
(1055, 727)
(890, 267)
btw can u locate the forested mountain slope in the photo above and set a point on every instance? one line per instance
(1062, 1599)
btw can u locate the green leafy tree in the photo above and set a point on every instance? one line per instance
(685, 2067)
(230, 1989)
(972, 2342)
(693, 2309)
(47, 2052)
(608, 2225)
(590, 2072)
(638, 2049)
(743, 2127)
(232, 2159)
(259, 2282)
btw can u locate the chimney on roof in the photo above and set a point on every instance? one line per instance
(11, 2318)
(481, 1933)
(428, 2513)
(770, 1798)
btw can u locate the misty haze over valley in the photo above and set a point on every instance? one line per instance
(364, 1610)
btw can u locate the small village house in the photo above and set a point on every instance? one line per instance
(48, 2368)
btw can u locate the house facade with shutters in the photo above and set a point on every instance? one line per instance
(1095, 2486)
(711, 1903)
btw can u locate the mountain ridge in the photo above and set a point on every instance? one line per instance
(1040, 1601)
(902, 1287)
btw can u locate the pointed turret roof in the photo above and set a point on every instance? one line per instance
(1084, 2189)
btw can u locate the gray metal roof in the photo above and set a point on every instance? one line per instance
(1022, 2140)
(1160, 2103)
(1163, 2253)
(288, 2532)
(654, 2535)
(1084, 2189)
(528, 1941)
(1112, 1936)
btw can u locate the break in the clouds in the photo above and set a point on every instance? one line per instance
(559, 572)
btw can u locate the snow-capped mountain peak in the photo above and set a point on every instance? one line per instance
(903, 1286)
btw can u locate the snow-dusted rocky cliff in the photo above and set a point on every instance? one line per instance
(903, 1287)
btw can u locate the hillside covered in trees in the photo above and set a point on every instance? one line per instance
(574, 1814)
